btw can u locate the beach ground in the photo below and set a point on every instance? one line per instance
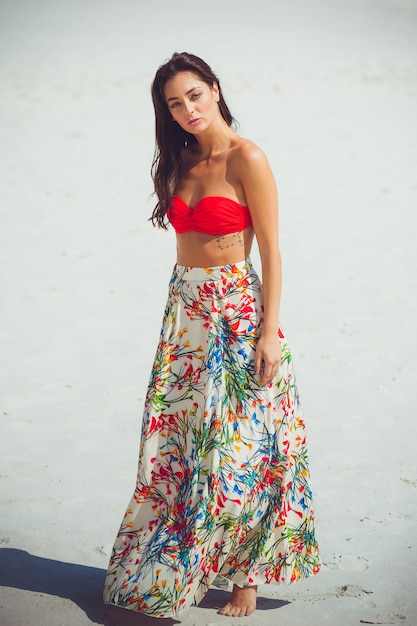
(329, 91)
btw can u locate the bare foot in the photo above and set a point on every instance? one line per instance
(242, 601)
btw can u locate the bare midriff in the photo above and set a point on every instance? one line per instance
(200, 250)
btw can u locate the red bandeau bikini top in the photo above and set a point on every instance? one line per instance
(213, 215)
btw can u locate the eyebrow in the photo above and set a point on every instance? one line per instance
(187, 92)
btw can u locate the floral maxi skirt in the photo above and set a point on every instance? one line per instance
(223, 481)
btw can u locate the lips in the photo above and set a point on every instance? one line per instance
(194, 121)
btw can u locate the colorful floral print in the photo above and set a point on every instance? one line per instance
(223, 481)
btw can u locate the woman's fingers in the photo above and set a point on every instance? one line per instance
(267, 360)
(268, 369)
(258, 364)
(268, 373)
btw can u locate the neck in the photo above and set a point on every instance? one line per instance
(215, 139)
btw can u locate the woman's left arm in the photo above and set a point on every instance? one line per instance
(262, 198)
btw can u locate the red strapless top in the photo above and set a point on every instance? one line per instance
(213, 215)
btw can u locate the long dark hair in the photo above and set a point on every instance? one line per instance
(170, 137)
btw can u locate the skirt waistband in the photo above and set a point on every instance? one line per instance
(218, 272)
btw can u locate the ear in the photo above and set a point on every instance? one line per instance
(216, 92)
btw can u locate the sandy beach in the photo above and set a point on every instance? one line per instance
(329, 91)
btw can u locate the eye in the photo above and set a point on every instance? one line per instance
(174, 105)
(195, 96)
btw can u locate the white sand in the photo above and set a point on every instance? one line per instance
(328, 89)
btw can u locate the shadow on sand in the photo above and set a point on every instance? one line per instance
(83, 585)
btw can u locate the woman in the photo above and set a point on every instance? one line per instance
(223, 482)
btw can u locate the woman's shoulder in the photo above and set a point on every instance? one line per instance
(246, 151)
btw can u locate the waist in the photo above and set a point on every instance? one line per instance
(197, 250)
(215, 273)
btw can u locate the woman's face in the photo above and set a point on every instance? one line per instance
(191, 102)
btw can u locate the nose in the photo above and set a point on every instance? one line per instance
(189, 107)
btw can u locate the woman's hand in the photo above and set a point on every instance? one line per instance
(267, 357)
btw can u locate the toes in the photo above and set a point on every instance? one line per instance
(225, 610)
(234, 611)
(229, 610)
